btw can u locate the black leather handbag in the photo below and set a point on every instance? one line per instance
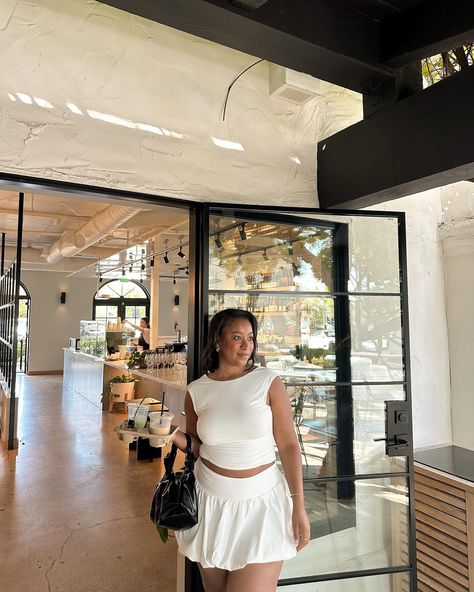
(175, 504)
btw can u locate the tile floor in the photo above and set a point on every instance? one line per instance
(74, 502)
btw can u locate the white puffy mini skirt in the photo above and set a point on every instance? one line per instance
(240, 520)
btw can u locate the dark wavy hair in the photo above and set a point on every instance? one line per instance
(221, 320)
(147, 321)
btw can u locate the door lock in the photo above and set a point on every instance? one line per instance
(397, 429)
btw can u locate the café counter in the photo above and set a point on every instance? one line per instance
(89, 376)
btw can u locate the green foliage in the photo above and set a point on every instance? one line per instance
(302, 351)
(137, 360)
(163, 532)
(122, 379)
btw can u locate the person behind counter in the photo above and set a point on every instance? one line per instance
(144, 328)
(251, 517)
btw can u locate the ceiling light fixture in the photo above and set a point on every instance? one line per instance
(290, 249)
(174, 278)
(186, 271)
(242, 233)
(165, 258)
(130, 269)
(152, 262)
(123, 270)
(264, 255)
(218, 241)
(142, 268)
(180, 253)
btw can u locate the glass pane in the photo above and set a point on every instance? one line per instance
(331, 444)
(373, 254)
(106, 312)
(134, 314)
(376, 337)
(251, 255)
(355, 525)
(121, 288)
(399, 582)
(295, 334)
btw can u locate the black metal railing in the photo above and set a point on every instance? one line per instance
(9, 313)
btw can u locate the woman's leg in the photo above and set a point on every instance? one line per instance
(213, 578)
(254, 577)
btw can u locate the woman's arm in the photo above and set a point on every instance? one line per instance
(290, 455)
(134, 326)
(191, 420)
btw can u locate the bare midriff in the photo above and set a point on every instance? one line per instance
(233, 473)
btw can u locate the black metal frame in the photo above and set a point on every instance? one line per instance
(342, 295)
(24, 350)
(9, 312)
(198, 313)
(121, 302)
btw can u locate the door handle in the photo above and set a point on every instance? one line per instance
(397, 429)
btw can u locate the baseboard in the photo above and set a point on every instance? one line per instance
(43, 372)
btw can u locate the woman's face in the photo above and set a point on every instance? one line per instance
(143, 324)
(237, 343)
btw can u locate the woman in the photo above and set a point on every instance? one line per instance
(250, 517)
(144, 328)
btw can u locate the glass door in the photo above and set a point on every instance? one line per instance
(329, 294)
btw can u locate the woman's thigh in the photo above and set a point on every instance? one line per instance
(213, 578)
(255, 577)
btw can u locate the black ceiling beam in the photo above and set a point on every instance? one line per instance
(422, 142)
(427, 29)
(323, 38)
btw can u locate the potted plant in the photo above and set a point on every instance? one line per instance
(122, 388)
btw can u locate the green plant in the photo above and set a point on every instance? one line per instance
(163, 532)
(122, 379)
(137, 360)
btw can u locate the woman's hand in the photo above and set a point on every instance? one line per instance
(301, 528)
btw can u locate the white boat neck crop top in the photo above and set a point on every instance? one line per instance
(235, 423)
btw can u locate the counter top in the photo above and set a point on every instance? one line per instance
(453, 460)
(139, 372)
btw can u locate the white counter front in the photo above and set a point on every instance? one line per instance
(89, 376)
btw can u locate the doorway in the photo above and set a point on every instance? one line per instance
(329, 292)
(23, 328)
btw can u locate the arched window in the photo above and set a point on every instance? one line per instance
(125, 299)
(23, 328)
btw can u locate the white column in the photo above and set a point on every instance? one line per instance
(154, 304)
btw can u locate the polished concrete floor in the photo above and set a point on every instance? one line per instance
(74, 502)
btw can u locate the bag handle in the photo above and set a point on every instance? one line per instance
(171, 456)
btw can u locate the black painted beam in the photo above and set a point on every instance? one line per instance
(422, 142)
(323, 38)
(427, 29)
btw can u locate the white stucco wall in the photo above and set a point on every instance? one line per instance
(457, 238)
(428, 323)
(91, 94)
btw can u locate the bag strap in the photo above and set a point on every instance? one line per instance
(190, 458)
(171, 456)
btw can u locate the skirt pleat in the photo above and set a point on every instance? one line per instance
(240, 521)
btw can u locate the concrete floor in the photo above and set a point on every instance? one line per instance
(74, 502)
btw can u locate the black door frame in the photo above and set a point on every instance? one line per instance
(198, 303)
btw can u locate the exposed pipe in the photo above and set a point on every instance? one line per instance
(100, 225)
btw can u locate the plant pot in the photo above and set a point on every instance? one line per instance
(122, 391)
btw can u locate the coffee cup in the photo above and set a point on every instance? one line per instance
(160, 424)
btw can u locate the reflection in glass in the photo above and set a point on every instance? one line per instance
(373, 255)
(398, 582)
(376, 338)
(327, 448)
(253, 255)
(366, 530)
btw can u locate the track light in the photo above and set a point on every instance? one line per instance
(180, 253)
(100, 279)
(243, 234)
(152, 262)
(174, 279)
(264, 255)
(130, 269)
(290, 249)
(142, 268)
(165, 258)
(186, 271)
(218, 241)
(123, 270)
